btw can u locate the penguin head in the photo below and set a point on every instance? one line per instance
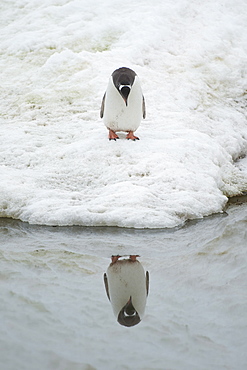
(123, 79)
(128, 316)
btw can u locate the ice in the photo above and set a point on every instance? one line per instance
(57, 165)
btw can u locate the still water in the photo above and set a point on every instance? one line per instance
(55, 313)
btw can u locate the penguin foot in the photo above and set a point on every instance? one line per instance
(113, 135)
(114, 259)
(133, 257)
(131, 136)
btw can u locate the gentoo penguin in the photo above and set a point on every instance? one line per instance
(127, 288)
(123, 105)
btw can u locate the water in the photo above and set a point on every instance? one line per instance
(55, 313)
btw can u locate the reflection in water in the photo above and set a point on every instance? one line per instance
(127, 288)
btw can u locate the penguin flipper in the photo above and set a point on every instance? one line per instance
(147, 282)
(102, 107)
(106, 286)
(143, 107)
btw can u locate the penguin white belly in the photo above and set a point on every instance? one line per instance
(118, 116)
(127, 278)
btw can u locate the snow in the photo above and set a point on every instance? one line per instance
(57, 165)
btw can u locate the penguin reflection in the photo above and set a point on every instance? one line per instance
(127, 287)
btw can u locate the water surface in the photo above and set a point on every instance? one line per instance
(55, 313)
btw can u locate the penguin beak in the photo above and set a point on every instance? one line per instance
(124, 92)
(129, 308)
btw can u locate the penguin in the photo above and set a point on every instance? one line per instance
(127, 288)
(123, 104)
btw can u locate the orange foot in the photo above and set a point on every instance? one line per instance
(133, 257)
(131, 136)
(113, 135)
(114, 259)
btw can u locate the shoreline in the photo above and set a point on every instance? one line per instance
(236, 200)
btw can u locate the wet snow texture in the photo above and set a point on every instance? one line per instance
(57, 165)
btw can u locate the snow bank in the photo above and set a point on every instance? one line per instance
(57, 165)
